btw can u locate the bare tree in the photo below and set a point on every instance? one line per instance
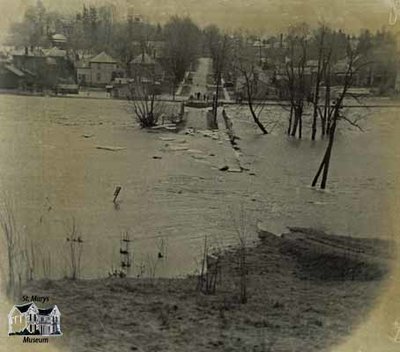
(251, 80)
(240, 223)
(297, 85)
(210, 270)
(354, 64)
(75, 242)
(319, 76)
(46, 262)
(220, 49)
(16, 265)
(145, 103)
(152, 263)
(30, 254)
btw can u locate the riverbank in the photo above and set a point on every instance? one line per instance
(97, 94)
(307, 291)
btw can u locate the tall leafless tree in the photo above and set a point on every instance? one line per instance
(318, 80)
(220, 49)
(354, 64)
(297, 86)
(251, 82)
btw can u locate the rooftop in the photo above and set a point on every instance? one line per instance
(59, 38)
(103, 58)
(143, 59)
(55, 52)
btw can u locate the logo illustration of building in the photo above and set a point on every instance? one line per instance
(28, 319)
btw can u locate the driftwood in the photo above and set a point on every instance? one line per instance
(109, 148)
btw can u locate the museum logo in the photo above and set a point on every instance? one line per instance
(28, 320)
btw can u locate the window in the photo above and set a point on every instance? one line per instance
(98, 76)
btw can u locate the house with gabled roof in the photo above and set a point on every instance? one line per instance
(98, 70)
(103, 69)
(145, 67)
(28, 319)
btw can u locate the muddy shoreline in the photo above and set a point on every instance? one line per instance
(307, 291)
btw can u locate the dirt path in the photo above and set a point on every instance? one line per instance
(200, 77)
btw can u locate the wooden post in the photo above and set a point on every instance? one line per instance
(116, 193)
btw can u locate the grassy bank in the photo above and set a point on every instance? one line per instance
(306, 292)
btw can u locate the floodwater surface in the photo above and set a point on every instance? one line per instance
(54, 174)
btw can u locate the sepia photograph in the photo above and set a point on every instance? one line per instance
(199, 176)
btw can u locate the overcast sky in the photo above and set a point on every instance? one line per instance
(258, 15)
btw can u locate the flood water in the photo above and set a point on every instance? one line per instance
(53, 174)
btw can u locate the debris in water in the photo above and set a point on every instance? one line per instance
(197, 156)
(109, 148)
(116, 193)
(178, 148)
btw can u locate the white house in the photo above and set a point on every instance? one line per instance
(103, 66)
(28, 319)
(98, 71)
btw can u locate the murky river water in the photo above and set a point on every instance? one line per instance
(53, 174)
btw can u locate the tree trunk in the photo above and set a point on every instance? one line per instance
(327, 102)
(300, 125)
(328, 155)
(251, 108)
(290, 121)
(255, 118)
(295, 124)
(317, 87)
(321, 166)
(314, 124)
(324, 166)
(217, 98)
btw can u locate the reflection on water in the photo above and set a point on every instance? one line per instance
(52, 170)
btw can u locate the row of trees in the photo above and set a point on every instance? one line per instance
(315, 72)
